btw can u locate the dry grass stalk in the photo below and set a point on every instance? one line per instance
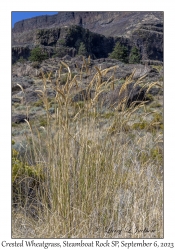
(152, 85)
(127, 82)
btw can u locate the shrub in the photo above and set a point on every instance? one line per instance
(120, 52)
(25, 179)
(158, 117)
(62, 42)
(42, 121)
(157, 154)
(21, 59)
(152, 126)
(140, 125)
(37, 55)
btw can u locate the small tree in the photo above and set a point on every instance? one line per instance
(37, 55)
(82, 49)
(120, 52)
(134, 56)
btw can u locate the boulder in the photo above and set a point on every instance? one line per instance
(130, 94)
(16, 100)
(31, 96)
(19, 118)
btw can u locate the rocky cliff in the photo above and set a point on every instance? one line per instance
(98, 30)
(108, 23)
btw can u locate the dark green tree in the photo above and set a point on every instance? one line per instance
(37, 55)
(134, 56)
(120, 53)
(82, 49)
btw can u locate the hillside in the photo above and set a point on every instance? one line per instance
(99, 31)
(109, 23)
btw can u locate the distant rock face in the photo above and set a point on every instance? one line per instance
(149, 38)
(99, 31)
(20, 51)
(61, 42)
(108, 23)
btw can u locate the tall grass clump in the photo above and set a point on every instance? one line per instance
(91, 180)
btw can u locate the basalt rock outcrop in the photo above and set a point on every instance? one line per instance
(149, 38)
(63, 41)
(108, 23)
(62, 34)
(131, 95)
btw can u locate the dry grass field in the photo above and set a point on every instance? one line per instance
(90, 171)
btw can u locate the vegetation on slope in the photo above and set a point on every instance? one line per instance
(89, 172)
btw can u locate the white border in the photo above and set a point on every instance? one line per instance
(5, 94)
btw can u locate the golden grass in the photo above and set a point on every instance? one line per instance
(100, 180)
